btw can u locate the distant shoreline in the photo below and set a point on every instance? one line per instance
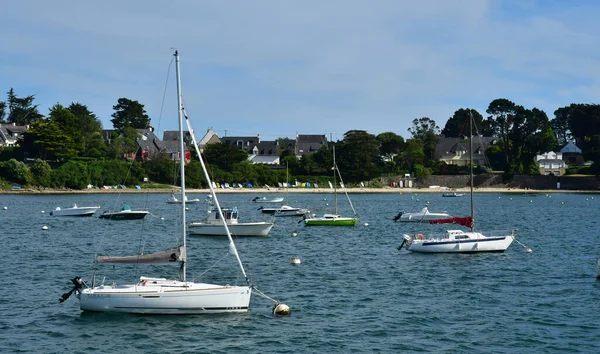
(385, 190)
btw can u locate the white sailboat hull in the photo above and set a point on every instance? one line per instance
(178, 298)
(238, 229)
(473, 242)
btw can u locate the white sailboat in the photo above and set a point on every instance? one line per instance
(458, 241)
(334, 219)
(160, 295)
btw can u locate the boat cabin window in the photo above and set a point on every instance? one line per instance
(461, 237)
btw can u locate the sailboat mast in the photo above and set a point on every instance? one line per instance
(334, 186)
(471, 168)
(181, 165)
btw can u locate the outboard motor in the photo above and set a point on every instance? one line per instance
(398, 216)
(78, 284)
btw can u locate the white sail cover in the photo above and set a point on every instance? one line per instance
(168, 256)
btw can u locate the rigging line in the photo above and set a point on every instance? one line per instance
(260, 293)
(162, 105)
(212, 266)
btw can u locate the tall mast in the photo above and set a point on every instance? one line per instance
(334, 186)
(471, 168)
(181, 165)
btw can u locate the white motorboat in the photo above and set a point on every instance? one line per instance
(126, 213)
(458, 241)
(213, 224)
(75, 211)
(268, 200)
(453, 195)
(174, 200)
(153, 295)
(423, 215)
(285, 210)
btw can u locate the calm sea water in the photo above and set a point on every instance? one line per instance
(353, 292)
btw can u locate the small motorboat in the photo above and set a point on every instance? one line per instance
(453, 195)
(75, 211)
(284, 210)
(267, 200)
(423, 215)
(125, 214)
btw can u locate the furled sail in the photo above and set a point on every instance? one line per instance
(466, 221)
(168, 256)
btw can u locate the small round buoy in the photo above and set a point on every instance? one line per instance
(162, 218)
(294, 234)
(187, 209)
(5, 208)
(295, 260)
(531, 201)
(510, 198)
(44, 227)
(562, 202)
(42, 212)
(528, 250)
(281, 309)
(366, 224)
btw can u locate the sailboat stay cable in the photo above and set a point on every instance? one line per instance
(345, 192)
(232, 247)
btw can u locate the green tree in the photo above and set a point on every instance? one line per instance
(2, 111)
(501, 113)
(129, 113)
(560, 125)
(71, 174)
(426, 131)
(224, 155)
(41, 173)
(22, 111)
(413, 154)
(358, 156)
(45, 139)
(89, 142)
(15, 171)
(67, 123)
(457, 126)
(390, 144)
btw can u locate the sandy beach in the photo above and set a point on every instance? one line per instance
(293, 190)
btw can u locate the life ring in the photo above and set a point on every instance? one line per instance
(420, 237)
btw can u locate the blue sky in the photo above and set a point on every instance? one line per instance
(281, 68)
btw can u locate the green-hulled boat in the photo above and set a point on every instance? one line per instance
(331, 220)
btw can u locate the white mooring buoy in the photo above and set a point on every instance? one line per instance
(366, 224)
(43, 212)
(44, 227)
(294, 234)
(295, 260)
(5, 208)
(281, 309)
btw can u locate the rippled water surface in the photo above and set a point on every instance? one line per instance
(353, 292)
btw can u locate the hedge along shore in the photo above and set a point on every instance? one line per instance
(290, 190)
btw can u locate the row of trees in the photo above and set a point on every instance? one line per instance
(74, 135)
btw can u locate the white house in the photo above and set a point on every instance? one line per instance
(551, 163)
